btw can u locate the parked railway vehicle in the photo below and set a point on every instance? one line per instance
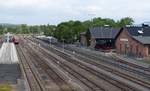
(10, 38)
(15, 40)
(7, 37)
(48, 39)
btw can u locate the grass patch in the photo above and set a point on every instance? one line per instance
(147, 60)
(5, 87)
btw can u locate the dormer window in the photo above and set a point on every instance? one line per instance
(140, 31)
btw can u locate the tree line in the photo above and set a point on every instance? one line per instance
(66, 31)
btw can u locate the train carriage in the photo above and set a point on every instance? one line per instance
(10, 38)
(15, 40)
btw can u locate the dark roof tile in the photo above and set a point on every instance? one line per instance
(143, 40)
(133, 31)
(104, 32)
(140, 33)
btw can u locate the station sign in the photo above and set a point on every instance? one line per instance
(123, 39)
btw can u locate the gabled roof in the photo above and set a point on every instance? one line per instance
(104, 32)
(140, 33)
(134, 31)
(143, 40)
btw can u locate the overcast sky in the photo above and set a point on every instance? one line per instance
(56, 11)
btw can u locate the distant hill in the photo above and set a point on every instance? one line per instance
(8, 25)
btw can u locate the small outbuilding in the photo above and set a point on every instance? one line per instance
(134, 41)
(83, 39)
(100, 37)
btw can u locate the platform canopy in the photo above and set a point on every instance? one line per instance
(8, 54)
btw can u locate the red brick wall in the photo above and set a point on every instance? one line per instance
(134, 47)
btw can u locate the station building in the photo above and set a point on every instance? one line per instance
(99, 37)
(134, 41)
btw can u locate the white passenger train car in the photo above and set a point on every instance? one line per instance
(48, 39)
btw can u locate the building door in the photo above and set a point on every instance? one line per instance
(148, 50)
(130, 50)
(126, 45)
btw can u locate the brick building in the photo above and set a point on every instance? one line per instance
(134, 41)
(83, 39)
(99, 37)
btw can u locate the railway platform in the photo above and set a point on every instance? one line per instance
(8, 54)
(9, 65)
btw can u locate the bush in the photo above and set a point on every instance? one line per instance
(5, 87)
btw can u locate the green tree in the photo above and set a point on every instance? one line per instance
(68, 31)
(125, 21)
(24, 29)
(49, 30)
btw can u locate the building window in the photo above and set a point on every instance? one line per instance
(148, 50)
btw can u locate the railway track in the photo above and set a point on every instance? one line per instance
(33, 81)
(99, 75)
(117, 72)
(141, 72)
(140, 82)
(90, 84)
(94, 72)
(109, 68)
(84, 78)
(56, 78)
(116, 62)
